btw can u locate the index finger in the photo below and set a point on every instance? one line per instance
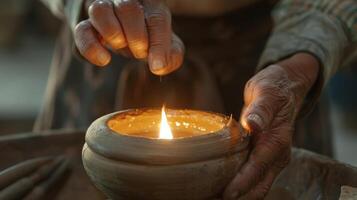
(263, 187)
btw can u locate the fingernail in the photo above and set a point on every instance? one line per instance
(103, 58)
(157, 65)
(257, 120)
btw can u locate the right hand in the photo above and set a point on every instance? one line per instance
(139, 28)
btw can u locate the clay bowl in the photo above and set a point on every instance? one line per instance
(125, 159)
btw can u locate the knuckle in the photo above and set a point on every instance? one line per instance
(82, 27)
(99, 7)
(280, 96)
(127, 6)
(156, 45)
(159, 17)
(280, 143)
(266, 111)
(270, 85)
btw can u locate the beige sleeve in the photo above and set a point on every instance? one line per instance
(323, 28)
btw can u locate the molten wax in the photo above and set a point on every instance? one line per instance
(183, 123)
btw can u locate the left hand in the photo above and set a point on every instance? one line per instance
(272, 100)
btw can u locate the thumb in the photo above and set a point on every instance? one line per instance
(264, 103)
(256, 117)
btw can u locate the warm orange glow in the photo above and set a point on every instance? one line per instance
(165, 130)
(183, 123)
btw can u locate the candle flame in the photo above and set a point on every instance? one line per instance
(165, 130)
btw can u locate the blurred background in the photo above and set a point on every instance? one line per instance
(27, 36)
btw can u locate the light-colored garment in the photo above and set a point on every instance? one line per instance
(324, 28)
(222, 53)
(348, 193)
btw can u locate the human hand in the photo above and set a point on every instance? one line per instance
(141, 29)
(272, 100)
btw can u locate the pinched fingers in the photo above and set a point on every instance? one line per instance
(118, 23)
(141, 29)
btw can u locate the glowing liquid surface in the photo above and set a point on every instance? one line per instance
(183, 123)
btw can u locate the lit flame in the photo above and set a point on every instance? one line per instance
(165, 130)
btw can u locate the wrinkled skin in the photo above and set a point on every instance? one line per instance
(141, 29)
(272, 100)
(273, 97)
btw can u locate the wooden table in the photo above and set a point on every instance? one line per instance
(20, 147)
(308, 176)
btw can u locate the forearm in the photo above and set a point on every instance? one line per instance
(325, 29)
(67, 10)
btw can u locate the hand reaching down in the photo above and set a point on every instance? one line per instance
(141, 29)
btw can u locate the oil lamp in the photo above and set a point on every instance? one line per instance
(163, 153)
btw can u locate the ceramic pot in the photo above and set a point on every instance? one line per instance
(127, 161)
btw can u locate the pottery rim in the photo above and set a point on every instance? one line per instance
(139, 149)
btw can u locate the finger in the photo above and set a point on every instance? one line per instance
(260, 191)
(267, 149)
(263, 100)
(262, 188)
(174, 58)
(104, 20)
(88, 44)
(177, 53)
(259, 114)
(131, 17)
(158, 20)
